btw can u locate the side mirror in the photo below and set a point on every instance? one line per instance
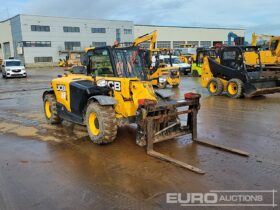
(84, 59)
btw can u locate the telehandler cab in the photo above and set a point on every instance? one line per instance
(113, 91)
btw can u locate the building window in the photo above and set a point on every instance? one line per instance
(127, 44)
(145, 45)
(178, 44)
(127, 31)
(99, 44)
(163, 44)
(72, 45)
(43, 59)
(36, 44)
(205, 43)
(217, 43)
(98, 30)
(40, 28)
(118, 35)
(71, 29)
(194, 43)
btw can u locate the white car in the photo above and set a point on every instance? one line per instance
(13, 68)
(176, 62)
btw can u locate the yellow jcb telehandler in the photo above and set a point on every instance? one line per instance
(113, 91)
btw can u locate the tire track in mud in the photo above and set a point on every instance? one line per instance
(23, 90)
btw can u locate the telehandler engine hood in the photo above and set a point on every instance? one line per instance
(142, 91)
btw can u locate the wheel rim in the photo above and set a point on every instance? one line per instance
(213, 87)
(48, 110)
(93, 124)
(232, 88)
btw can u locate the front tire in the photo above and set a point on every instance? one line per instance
(101, 123)
(235, 88)
(195, 73)
(50, 109)
(162, 85)
(215, 87)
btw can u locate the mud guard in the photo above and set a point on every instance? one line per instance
(47, 92)
(104, 100)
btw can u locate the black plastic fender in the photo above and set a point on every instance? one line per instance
(47, 92)
(104, 100)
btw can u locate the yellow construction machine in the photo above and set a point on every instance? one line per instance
(160, 73)
(233, 75)
(72, 58)
(114, 90)
(269, 51)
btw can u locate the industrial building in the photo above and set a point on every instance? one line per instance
(42, 40)
(175, 36)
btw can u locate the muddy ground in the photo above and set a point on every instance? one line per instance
(57, 167)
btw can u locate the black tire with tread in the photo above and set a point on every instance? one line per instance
(195, 73)
(239, 85)
(162, 85)
(219, 85)
(175, 86)
(54, 119)
(108, 125)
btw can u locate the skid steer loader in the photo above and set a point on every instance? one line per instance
(236, 77)
(112, 92)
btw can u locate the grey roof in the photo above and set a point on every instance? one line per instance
(63, 17)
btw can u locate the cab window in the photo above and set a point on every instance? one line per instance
(100, 63)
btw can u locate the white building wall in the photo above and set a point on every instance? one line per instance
(57, 36)
(6, 36)
(166, 33)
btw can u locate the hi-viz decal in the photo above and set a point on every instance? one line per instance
(62, 89)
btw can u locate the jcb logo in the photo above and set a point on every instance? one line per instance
(115, 85)
(61, 88)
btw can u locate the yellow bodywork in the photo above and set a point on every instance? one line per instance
(207, 75)
(268, 57)
(163, 70)
(132, 89)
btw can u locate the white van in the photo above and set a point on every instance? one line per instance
(13, 68)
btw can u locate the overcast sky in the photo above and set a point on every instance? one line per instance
(261, 16)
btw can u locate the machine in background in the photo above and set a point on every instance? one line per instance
(235, 76)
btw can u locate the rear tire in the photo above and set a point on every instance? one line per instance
(50, 109)
(215, 87)
(235, 88)
(195, 73)
(162, 85)
(101, 123)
